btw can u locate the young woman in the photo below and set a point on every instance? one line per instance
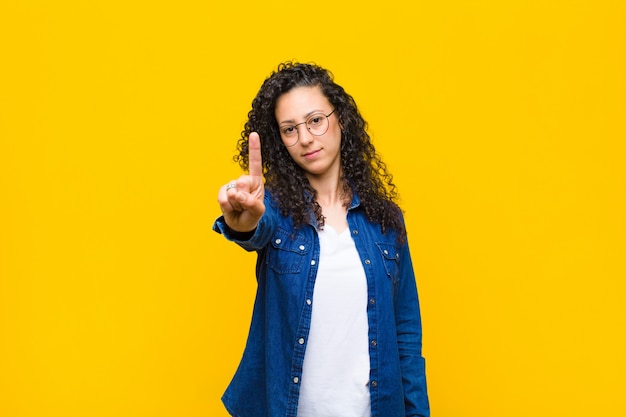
(336, 328)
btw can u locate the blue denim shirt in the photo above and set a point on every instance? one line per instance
(267, 381)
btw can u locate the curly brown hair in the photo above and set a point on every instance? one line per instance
(363, 170)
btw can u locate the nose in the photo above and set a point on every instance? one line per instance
(304, 135)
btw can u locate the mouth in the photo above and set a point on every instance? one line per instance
(312, 154)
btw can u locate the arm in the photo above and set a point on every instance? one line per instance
(409, 334)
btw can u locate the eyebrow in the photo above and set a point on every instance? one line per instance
(306, 116)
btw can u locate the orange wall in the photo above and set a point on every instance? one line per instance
(503, 122)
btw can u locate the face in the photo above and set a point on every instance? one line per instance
(305, 108)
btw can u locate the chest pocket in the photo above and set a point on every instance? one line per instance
(391, 260)
(288, 253)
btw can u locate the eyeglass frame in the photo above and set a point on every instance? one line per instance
(304, 123)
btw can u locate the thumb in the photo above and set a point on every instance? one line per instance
(254, 206)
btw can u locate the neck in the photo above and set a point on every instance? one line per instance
(329, 189)
(330, 195)
(332, 199)
(328, 184)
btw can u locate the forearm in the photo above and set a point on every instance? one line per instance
(409, 336)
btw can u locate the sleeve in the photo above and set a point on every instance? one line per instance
(409, 334)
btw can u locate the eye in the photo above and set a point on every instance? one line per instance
(315, 120)
(288, 130)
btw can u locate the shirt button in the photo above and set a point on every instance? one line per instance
(372, 301)
(374, 384)
(355, 232)
(295, 379)
(367, 262)
(278, 241)
(301, 247)
(386, 252)
(308, 301)
(374, 342)
(301, 340)
(313, 262)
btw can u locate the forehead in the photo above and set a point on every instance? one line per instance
(300, 102)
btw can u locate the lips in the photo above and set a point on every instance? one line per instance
(312, 154)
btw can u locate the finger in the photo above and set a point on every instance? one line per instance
(243, 196)
(255, 162)
(234, 199)
(226, 207)
(251, 204)
(224, 203)
(227, 198)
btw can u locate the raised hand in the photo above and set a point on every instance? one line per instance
(241, 200)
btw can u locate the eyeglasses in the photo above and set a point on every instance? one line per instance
(316, 123)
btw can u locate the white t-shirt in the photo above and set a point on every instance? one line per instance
(336, 367)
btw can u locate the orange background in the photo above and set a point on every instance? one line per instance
(503, 123)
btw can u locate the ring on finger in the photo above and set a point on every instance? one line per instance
(231, 185)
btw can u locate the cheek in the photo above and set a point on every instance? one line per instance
(292, 153)
(335, 134)
(335, 127)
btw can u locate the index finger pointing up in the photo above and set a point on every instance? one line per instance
(255, 162)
